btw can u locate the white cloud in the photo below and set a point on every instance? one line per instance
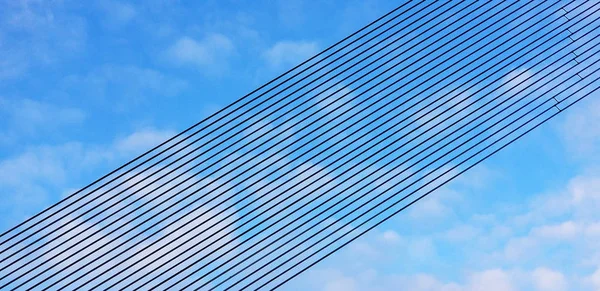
(290, 53)
(391, 236)
(549, 280)
(369, 280)
(422, 249)
(364, 250)
(27, 117)
(142, 140)
(565, 230)
(518, 79)
(541, 279)
(337, 100)
(435, 206)
(593, 230)
(423, 282)
(118, 12)
(50, 166)
(38, 33)
(32, 179)
(519, 247)
(491, 280)
(341, 283)
(550, 234)
(42, 163)
(123, 86)
(584, 192)
(581, 129)
(580, 200)
(210, 53)
(430, 207)
(594, 279)
(462, 233)
(477, 178)
(561, 226)
(40, 175)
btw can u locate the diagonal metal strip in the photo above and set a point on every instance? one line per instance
(302, 166)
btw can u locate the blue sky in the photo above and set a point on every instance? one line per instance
(85, 88)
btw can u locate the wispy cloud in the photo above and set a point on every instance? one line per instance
(38, 33)
(210, 54)
(118, 13)
(289, 53)
(27, 117)
(38, 175)
(143, 140)
(549, 280)
(127, 84)
(540, 279)
(581, 129)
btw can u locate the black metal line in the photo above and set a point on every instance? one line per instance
(314, 57)
(166, 166)
(267, 166)
(496, 123)
(397, 174)
(173, 170)
(243, 198)
(357, 182)
(203, 120)
(437, 187)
